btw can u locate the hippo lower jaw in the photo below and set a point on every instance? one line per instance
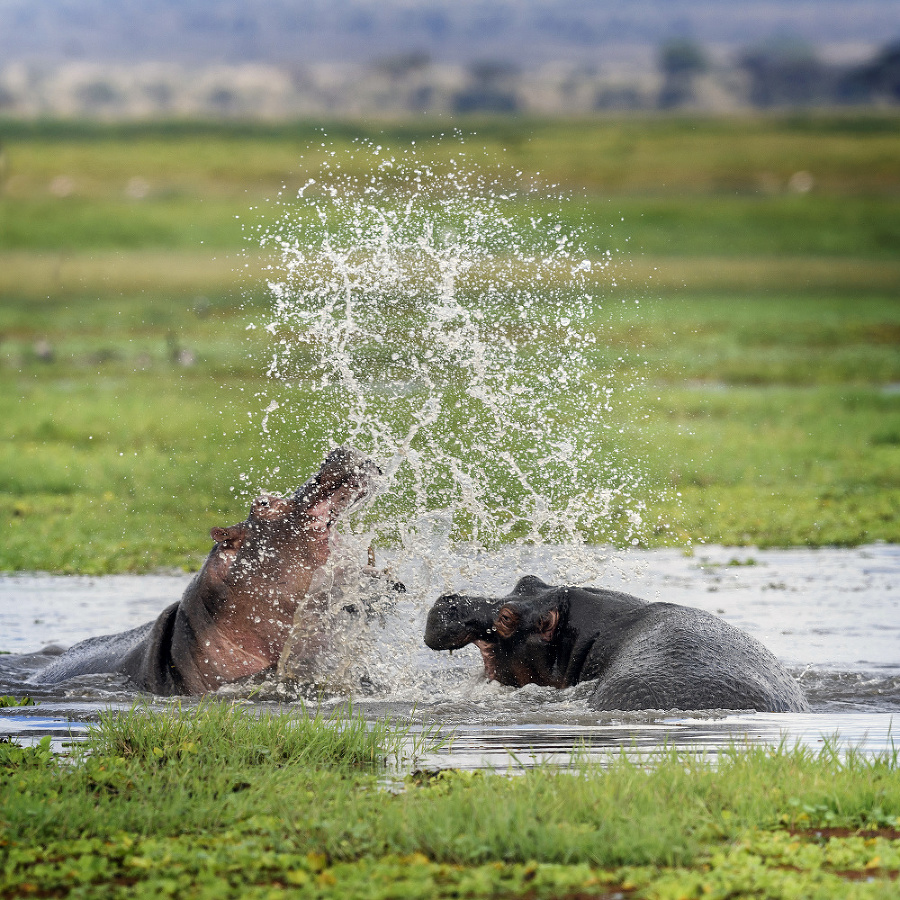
(488, 658)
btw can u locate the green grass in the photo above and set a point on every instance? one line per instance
(765, 338)
(658, 175)
(218, 735)
(850, 154)
(119, 472)
(219, 802)
(733, 226)
(768, 415)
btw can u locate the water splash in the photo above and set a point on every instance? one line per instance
(443, 319)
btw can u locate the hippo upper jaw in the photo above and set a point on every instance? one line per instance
(456, 620)
(345, 480)
(522, 638)
(295, 533)
(316, 520)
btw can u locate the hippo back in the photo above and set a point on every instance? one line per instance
(142, 653)
(677, 657)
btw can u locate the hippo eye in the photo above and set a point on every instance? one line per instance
(506, 624)
(263, 501)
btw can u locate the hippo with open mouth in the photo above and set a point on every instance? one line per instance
(237, 612)
(640, 655)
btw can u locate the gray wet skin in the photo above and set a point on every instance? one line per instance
(235, 615)
(642, 655)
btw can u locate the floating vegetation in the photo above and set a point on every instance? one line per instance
(777, 821)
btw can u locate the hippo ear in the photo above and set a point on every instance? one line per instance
(232, 537)
(547, 624)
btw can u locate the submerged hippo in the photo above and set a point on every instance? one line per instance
(642, 655)
(238, 610)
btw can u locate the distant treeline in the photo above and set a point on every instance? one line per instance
(783, 72)
(531, 33)
(679, 74)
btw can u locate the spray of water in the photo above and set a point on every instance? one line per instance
(444, 320)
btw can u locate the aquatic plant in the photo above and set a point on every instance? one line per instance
(780, 821)
(7, 701)
(219, 733)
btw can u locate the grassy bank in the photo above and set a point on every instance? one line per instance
(764, 343)
(769, 416)
(665, 185)
(214, 802)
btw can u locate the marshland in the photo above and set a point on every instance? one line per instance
(745, 317)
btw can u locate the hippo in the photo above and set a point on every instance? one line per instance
(639, 655)
(237, 612)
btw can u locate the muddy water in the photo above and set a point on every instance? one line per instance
(832, 616)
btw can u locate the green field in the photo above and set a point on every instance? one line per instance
(767, 331)
(220, 802)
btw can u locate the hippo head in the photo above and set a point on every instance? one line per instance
(285, 538)
(517, 635)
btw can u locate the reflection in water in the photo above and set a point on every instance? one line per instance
(830, 615)
(505, 747)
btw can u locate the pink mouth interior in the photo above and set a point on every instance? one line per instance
(327, 511)
(487, 657)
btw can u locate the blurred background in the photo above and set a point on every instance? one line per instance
(278, 58)
(738, 161)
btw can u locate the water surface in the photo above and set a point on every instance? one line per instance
(832, 616)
